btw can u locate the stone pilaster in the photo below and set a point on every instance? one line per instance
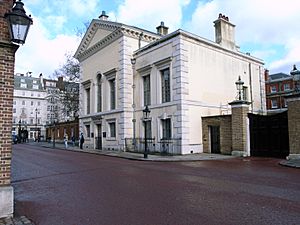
(294, 125)
(239, 126)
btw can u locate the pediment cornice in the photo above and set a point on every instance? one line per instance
(117, 30)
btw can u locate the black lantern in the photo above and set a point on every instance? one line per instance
(146, 113)
(18, 23)
(296, 78)
(239, 86)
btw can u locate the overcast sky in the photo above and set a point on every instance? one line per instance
(268, 29)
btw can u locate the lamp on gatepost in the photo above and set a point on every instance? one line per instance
(146, 113)
(239, 86)
(18, 23)
(296, 78)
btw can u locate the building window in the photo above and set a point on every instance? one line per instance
(245, 93)
(274, 104)
(112, 84)
(149, 129)
(32, 103)
(35, 86)
(165, 84)
(22, 80)
(112, 129)
(15, 102)
(39, 103)
(15, 110)
(147, 91)
(88, 99)
(23, 102)
(166, 129)
(286, 87)
(273, 89)
(88, 130)
(99, 95)
(23, 85)
(285, 103)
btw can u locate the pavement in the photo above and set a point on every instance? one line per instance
(295, 163)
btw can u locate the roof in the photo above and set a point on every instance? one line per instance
(279, 76)
(28, 83)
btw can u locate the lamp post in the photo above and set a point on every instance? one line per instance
(239, 86)
(54, 134)
(296, 78)
(36, 110)
(18, 23)
(133, 61)
(146, 113)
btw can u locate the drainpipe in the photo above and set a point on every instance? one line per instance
(251, 91)
(133, 61)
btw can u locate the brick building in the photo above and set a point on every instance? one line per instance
(7, 56)
(278, 86)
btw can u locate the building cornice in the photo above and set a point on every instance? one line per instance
(117, 30)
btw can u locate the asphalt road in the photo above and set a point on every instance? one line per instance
(54, 187)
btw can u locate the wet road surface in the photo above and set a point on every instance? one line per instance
(54, 187)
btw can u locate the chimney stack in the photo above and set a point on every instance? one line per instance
(103, 16)
(225, 32)
(267, 76)
(162, 29)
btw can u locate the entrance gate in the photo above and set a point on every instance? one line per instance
(269, 135)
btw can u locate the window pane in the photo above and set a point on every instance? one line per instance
(112, 128)
(112, 94)
(99, 103)
(165, 85)
(147, 93)
(88, 101)
(166, 126)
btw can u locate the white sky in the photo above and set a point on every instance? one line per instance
(268, 29)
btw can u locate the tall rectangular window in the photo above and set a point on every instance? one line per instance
(165, 84)
(147, 92)
(166, 128)
(99, 96)
(149, 129)
(112, 129)
(88, 99)
(112, 93)
(88, 130)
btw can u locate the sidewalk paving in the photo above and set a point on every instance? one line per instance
(140, 156)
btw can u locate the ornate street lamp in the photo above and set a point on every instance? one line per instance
(296, 78)
(146, 113)
(239, 86)
(18, 23)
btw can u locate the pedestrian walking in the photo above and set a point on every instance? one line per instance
(73, 140)
(81, 141)
(66, 141)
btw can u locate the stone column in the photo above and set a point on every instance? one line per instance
(293, 102)
(7, 62)
(239, 126)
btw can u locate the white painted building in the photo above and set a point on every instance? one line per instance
(29, 105)
(180, 76)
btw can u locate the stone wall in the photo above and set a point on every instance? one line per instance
(224, 122)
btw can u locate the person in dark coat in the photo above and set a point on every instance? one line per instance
(81, 141)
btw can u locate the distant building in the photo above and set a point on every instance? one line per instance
(39, 102)
(278, 86)
(179, 76)
(29, 105)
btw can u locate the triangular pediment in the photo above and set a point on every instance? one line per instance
(102, 32)
(96, 31)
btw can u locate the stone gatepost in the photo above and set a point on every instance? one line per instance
(240, 128)
(293, 102)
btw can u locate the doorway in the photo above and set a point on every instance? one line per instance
(99, 137)
(215, 139)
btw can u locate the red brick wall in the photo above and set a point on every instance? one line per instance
(7, 61)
